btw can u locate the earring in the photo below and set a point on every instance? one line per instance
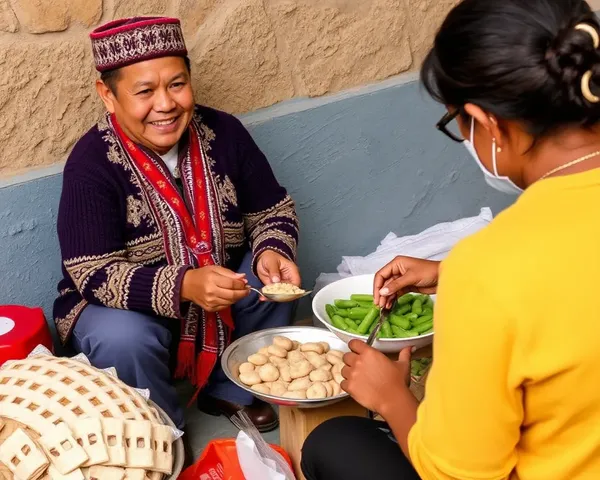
(499, 150)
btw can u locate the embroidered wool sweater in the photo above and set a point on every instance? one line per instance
(112, 247)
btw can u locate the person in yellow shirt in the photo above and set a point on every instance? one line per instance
(514, 390)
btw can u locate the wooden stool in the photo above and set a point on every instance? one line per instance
(297, 423)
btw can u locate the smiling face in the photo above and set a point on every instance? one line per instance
(152, 100)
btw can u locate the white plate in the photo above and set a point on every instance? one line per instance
(342, 289)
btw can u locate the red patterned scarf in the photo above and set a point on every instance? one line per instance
(199, 227)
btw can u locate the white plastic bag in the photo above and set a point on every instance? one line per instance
(432, 244)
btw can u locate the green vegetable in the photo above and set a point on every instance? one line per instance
(399, 321)
(411, 317)
(365, 304)
(345, 303)
(399, 332)
(423, 327)
(429, 302)
(350, 323)
(402, 309)
(417, 306)
(422, 320)
(358, 313)
(368, 320)
(338, 322)
(427, 311)
(343, 312)
(404, 299)
(359, 297)
(427, 332)
(386, 330)
(330, 309)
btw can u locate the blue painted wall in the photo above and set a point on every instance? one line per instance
(358, 167)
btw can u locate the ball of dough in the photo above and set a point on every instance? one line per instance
(328, 366)
(299, 384)
(316, 390)
(320, 375)
(277, 351)
(325, 346)
(311, 347)
(268, 372)
(335, 387)
(337, 368)
(297, 394)
(295, 345)
(278, 388)
(295, 356)
(251, 378)
(284, 373)
(278, 361)
(246, 367)
(329, 389)
(300, 369)
(315, 359)
(333, 359)
(261, 388)
(264, 351)
(283, 342)
(337, 353)
(338, 378)
(258, 359)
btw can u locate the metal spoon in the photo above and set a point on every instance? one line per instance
(281, 297)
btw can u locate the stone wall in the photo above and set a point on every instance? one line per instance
(246, 54)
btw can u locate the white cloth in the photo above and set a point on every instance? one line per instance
(432, 244)
(171, 159)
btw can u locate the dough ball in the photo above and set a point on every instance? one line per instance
(268, 372)
(264, 351)
(338, 378)
(315, 359)
(320, 375)
(261, 388)
(295, 356)
(283, 342)
(250, 379)
(337, 368)
(325, 346)
(334, 359)
(335, 387)
(258, 359)
(277, 351)
(316, 390)
(246, 367)
(278, 361)
(300, 369)
(329, 389)
(297, 394)
(328, 366)
(337, 353)
(284, 373)
(311, 347)
(295, 345)
(299, 384)
(278, 388)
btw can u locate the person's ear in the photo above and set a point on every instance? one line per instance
(487, 121)
(106, 95)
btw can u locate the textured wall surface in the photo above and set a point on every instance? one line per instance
(246, 54)
(358, 168)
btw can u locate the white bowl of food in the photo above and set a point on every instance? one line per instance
(351, 287)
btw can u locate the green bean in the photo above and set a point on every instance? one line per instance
(402, 309)
(345, 303)
(358, 313)
(427, 332)
(386, 330)
(399, 321)
(404, 299)
(368, 320)
(343, 312)
(427, 311)
(421, 320)
(350, 323)
(411, 317)
(359, 297)
(338, 322)
(399, 332)
(412, 332)
(417, 306)
(429, 302)
(365, 304)
(423, 327)
(330, 309)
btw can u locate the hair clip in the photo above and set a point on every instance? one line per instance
(591, 31)
(585, 88)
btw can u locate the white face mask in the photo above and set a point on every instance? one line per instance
(497, 182)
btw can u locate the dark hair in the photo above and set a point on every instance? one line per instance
(111, 77)
(520, 60)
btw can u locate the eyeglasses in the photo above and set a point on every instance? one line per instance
(451, 131)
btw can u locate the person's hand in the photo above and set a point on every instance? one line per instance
(371, 378)
(272, 267)
(213, 288)
(402, 275)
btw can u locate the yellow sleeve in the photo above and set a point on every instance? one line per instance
(469, 424)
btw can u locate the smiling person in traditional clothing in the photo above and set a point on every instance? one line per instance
(168, 211)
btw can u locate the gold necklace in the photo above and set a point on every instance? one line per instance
(570, 164)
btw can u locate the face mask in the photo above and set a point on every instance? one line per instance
(497, 182)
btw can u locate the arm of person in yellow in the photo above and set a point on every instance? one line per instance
(469, 425)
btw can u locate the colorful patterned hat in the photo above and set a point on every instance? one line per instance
(131, 40)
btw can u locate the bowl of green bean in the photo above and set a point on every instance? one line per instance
(346, 308)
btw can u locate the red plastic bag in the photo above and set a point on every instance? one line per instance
(219, 461)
